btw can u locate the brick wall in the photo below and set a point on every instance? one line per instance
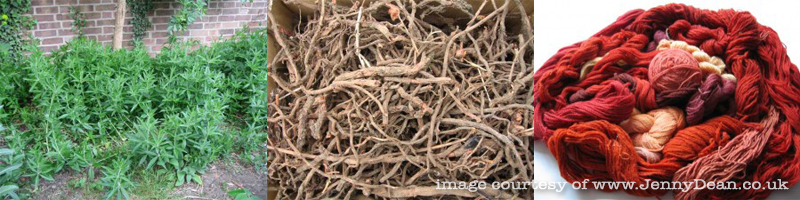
(223, 18)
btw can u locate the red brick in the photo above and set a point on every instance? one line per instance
(227, 18)
(161, 5)
(230, 11)
(47, 33)
(212, 33)
(231, 25)
(165, 12)
(44, 18)
(103, 38)
(82, 8)
(106, 22)
(50, 41)
(256, 11)
(48, 49)
(93, 31)
(46, 10)
(159, 34)
(92, 15)
(198, 33)
(220, 21)
(106, 15)
(254, 24)
(196, 26)
(244, 18)
(65, 32)
(90, 1)
(211, 26)
(213, 11)
(160, 20)
(161, 27)
(49, 25)
(227, 31)
(161, 41)
(106, 7)
(41, 2)
(63, 16)
(229, 4)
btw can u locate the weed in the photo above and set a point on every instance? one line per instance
(116, 180)
(242, 194)
(86, 107)
(7, 175)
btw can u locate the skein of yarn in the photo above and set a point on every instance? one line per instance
(714, 90)
(731, 75)
(602, 151)
(653, 130)
(674, 75)
(726, 163)
(614, 102)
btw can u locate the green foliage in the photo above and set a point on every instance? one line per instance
(39, 167)
(242, 194)
(139, 9)
(91, 90)
(191, 10)
(78, 20)
(13, 22)
(116, 180)
(8, 177)
(12, 85)
(87, 107)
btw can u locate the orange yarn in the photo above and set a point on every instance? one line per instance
(602, 151)
(599, 150)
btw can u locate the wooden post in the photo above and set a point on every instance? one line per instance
(120, 23)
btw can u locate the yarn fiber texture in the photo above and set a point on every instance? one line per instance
(673, 93)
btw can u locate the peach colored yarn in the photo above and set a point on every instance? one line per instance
(651, 131)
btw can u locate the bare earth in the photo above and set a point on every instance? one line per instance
(219, 178)
(222, 177)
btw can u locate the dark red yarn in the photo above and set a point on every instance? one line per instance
(753, 53)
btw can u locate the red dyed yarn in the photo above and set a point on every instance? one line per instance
(600, 150)
(614, 102)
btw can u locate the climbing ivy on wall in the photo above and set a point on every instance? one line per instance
(191, 11)
(139, 10)
(13, 22)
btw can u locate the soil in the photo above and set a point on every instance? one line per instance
(220, 177)
(59, 188)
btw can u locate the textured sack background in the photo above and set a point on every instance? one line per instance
(562, 23)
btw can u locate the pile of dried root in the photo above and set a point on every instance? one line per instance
(379, 101)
